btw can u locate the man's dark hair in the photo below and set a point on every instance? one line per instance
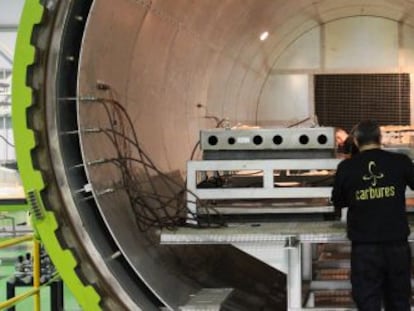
(367, 132)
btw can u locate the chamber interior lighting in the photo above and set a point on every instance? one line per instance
(264, 35)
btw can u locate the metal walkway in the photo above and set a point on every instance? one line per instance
(313, 255)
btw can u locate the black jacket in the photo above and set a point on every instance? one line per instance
(372, 184)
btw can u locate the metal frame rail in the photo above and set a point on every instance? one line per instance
(196, 169)
(284, 246)
(267, 191)
(35, 291)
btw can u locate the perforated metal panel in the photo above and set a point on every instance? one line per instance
(270, 139)
(345, 99)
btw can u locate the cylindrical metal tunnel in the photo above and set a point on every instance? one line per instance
(164, 70)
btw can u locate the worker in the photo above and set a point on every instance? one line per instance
(372, 185)
(345, 146)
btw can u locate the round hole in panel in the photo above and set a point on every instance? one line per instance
(257, 140)
(277, 139)
(213, 140)
(322, 139)
(304, 139)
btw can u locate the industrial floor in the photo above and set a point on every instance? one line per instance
(330, 265)
(8, 258)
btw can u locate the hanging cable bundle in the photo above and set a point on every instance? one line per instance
(157, 199)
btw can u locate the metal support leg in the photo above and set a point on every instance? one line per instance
(11, 292)
(307, 261)
(191, 198)
(56, 296)
(294, 276)
(36, 274)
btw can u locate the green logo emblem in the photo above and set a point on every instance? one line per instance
(372, 175)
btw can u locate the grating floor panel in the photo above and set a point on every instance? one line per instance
(324, 299)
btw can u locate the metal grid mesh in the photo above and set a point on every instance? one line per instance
(343, 100)
(335, 298)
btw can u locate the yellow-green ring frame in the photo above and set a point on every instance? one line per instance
(22, 99)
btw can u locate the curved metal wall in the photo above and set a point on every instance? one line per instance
(172, 65)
